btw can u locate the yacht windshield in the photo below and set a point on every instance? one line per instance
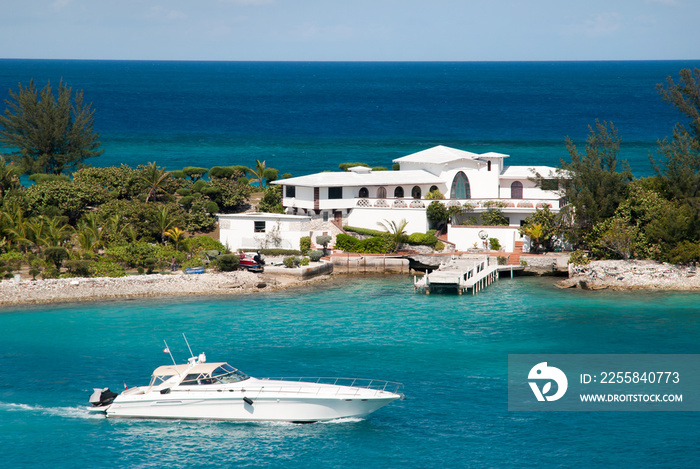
(158, 380)
(228, 374)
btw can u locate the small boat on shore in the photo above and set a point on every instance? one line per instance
(218, 391)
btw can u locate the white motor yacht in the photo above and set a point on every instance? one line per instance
(202, 390)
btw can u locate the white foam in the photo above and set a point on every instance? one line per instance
(66, 412)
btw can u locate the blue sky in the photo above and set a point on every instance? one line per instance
(460, 30)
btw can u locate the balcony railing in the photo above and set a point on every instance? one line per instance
(475, 204)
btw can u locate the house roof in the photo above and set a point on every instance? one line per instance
(442, 154)
(373, 178)
(524, 172)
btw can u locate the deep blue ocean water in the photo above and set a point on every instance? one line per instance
(308, 117)
(449, 351)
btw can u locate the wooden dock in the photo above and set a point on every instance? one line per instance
(462, 275)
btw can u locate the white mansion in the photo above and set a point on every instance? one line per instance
(321, 203)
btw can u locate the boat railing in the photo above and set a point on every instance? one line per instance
(362, 383)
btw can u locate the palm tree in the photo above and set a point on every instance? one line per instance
(259, 173)
(89, 233)
(57, 232)
(155, 178)
(164, 220)
(176, 235)
(397, 232)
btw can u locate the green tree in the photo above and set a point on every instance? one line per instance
(49, 134)
(591, 181)
(8, 177)
(494, 217)
(155, 179)
(548, 227)
(195, 173)
(271, 201)
(176, 235)
(437, 213)
(258, 174)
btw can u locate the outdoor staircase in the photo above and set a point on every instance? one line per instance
(514, 258)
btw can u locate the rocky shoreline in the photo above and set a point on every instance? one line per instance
(134, 286)
(631, 275)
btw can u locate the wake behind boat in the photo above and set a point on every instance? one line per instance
(202, 390)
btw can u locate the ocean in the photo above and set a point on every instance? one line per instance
(305, 117)
(450, 351)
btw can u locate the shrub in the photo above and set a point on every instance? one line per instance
(228, 262)
(34, 272)
(50, 272)
(315, 256)
(494, 244)
(106, 268)
(346, 243)
(502, 260)
(364, 231)
(291, 262)
(423, 239)
(56, 255)
(304, 261)
(140, 270)
(305, 245)
(184, 192)
(150, 264)
(579, 258)
(523, 262)
(79, 268)
(323, 240)
(439, 246)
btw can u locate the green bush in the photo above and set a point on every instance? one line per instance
(291, 262)
(228, 262)
(364, 231)
(305, 245)
(579, 258)
(315, 256)
(106, 268)
(79, 268)
(304, 261)
(494, 244)
(423, 239)
(439, 246)
(346, 243)
(183, 192)
(50, 272)
(523, 262)
(502, 260)
(56, 255)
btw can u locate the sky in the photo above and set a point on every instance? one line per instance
(351, 30)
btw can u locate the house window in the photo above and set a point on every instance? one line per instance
(364, 192)
(488, 166)
(398, 192)
(433, 188)
(335, 192)
(381, 192)
(516, 190)
(460, 187)
(259, 227)
(325, 216)
(290, 191)
(415, 192)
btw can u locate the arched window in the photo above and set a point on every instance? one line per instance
(516, 190)
(415, 192)
(398, 192)
(364, 192)
(433, 188)
(460, 187)
(381, 192)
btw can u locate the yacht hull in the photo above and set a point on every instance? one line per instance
(238, 409)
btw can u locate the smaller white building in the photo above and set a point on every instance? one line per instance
(263, 230)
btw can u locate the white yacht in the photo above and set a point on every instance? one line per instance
(202, 390)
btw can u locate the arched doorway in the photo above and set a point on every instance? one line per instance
(398, 192)
(460, 187)
(516, 190)
(381, 192)
(364, 192)
(415, 192)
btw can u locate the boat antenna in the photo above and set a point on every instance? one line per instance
(167, 349)
(188, 345)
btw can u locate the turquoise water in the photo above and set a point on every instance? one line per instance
(449, 351)
(305, 117)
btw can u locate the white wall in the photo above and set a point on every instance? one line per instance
(464, 236)
(237, 231)
(370, 217)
